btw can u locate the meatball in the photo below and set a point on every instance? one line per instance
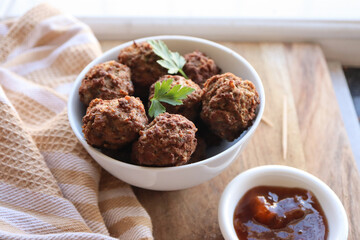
(191, 104)
(114, 123)
(210, 138)
(229, 105)
(200, 151)
(169, 140)
(122, 154)
(199, 67)
(142, 61)
(106, 80)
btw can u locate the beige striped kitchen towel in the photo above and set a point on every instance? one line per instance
(50, 188)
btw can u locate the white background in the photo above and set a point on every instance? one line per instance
(333, 24)
(344, 10)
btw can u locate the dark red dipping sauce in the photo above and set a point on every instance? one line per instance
(267, 212)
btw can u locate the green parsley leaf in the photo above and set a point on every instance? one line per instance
(172, 61)
(156, 108)
(164, 93)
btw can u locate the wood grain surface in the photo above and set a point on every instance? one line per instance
(317, 142)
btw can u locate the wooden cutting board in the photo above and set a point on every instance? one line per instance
(317, 142)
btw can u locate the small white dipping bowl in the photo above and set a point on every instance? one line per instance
(282, 176)
(179, 177)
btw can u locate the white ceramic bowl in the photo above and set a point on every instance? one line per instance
(180, 177)
(282, 176)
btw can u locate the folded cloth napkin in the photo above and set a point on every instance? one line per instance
(50, 188)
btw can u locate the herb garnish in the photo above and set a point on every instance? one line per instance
(164, 93)
(172, 61)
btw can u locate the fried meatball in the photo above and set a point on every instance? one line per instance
(107, 81)
(169, 140)
(114, 123)
(199, 67)
(142, 61)
(191, 104)
(200, 151)
(122, 154)
(229, 105)
(210, 138)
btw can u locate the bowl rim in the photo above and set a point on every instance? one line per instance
(228, 231)
(248, 134)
